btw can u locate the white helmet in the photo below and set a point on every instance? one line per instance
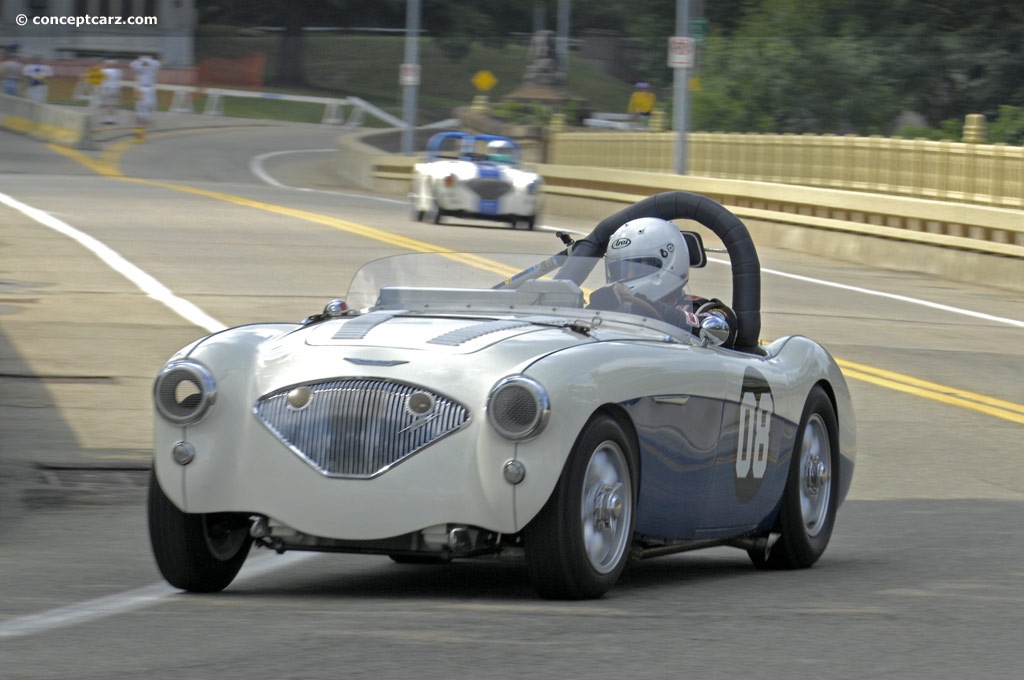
(501, 151)
(649, 256)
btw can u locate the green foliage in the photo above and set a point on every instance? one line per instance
(924, 132)
(819, 66)
(1008, 127)
(523, 113)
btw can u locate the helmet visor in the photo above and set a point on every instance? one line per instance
(631, 268)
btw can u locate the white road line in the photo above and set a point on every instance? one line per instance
(256, 167)
(146, 283)
(130, 600)
(890, 296)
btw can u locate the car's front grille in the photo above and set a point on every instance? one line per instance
(489, 189)
(358, 427)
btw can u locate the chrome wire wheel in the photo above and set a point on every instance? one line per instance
(815, 475)
(606, 507)
(807, 514)
(578, 544)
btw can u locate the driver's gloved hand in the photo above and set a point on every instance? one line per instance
(610, 298)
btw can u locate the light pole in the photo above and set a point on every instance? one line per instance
(680, 91)
(410, 74)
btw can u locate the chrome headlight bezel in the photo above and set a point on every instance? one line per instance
(518, 407)
(202, 395)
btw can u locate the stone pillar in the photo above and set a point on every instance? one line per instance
(974, 129)
(657, 121)
(480, 103)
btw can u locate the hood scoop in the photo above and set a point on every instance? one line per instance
(462, 335)
(357, 328)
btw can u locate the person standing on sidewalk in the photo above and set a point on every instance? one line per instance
(10, 71)
(145, 69)
(110, 91)
(36, 74)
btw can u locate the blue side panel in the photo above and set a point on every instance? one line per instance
(753, 462)
(678, 445)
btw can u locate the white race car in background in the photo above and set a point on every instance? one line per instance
(475, 176)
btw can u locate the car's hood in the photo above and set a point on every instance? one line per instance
(443, 335)
(411, 348)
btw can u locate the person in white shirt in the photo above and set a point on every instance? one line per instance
(11, 70)
(110, 91)
(36, 73)
(145, 69)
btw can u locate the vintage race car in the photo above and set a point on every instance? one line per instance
(475, 176)
(498, 413)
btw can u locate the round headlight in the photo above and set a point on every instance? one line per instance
(184, 391)
(518, 407)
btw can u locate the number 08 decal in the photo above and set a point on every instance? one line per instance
(755, 429)
(755, 435)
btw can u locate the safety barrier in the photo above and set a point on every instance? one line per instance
(48, 123)
(972, 243)
(184, 98)
(984, 174)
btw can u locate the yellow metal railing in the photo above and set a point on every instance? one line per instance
(981, 174)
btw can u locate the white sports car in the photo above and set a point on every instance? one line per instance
(475, 176)
(498, 412)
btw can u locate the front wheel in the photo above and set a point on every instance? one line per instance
(811, 498)
(196, 552)
(578, 545)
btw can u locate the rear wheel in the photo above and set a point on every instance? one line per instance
(200, 553)
(578, 544)
(435, 213)
(809, 503)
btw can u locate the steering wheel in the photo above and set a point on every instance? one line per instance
(643, 307)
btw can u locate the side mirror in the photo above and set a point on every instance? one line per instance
(695, 244)
(714, 330)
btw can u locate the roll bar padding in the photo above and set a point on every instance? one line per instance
(682, 205)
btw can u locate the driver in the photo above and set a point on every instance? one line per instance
(501, 151)
(649, 263)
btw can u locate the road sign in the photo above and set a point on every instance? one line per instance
(483, 81)
(682, 51)
(699, 29)
(409, 75)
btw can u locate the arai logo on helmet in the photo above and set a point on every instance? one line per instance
(620, 243)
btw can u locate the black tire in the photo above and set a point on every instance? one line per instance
(579, 543)
(416, 215)
(436, 213)
(418, 559)
(195, 552)
(810, 501)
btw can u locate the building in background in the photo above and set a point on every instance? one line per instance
(164, 29)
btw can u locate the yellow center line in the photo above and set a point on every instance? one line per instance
(981, 403)
(108, 165)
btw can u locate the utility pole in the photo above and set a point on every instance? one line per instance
(409, 77)
(562, 44)
(680, 92)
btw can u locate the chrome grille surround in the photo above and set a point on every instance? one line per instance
(359, 427)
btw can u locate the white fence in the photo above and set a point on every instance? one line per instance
(345, 111)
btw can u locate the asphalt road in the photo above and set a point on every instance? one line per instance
(922, 579)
